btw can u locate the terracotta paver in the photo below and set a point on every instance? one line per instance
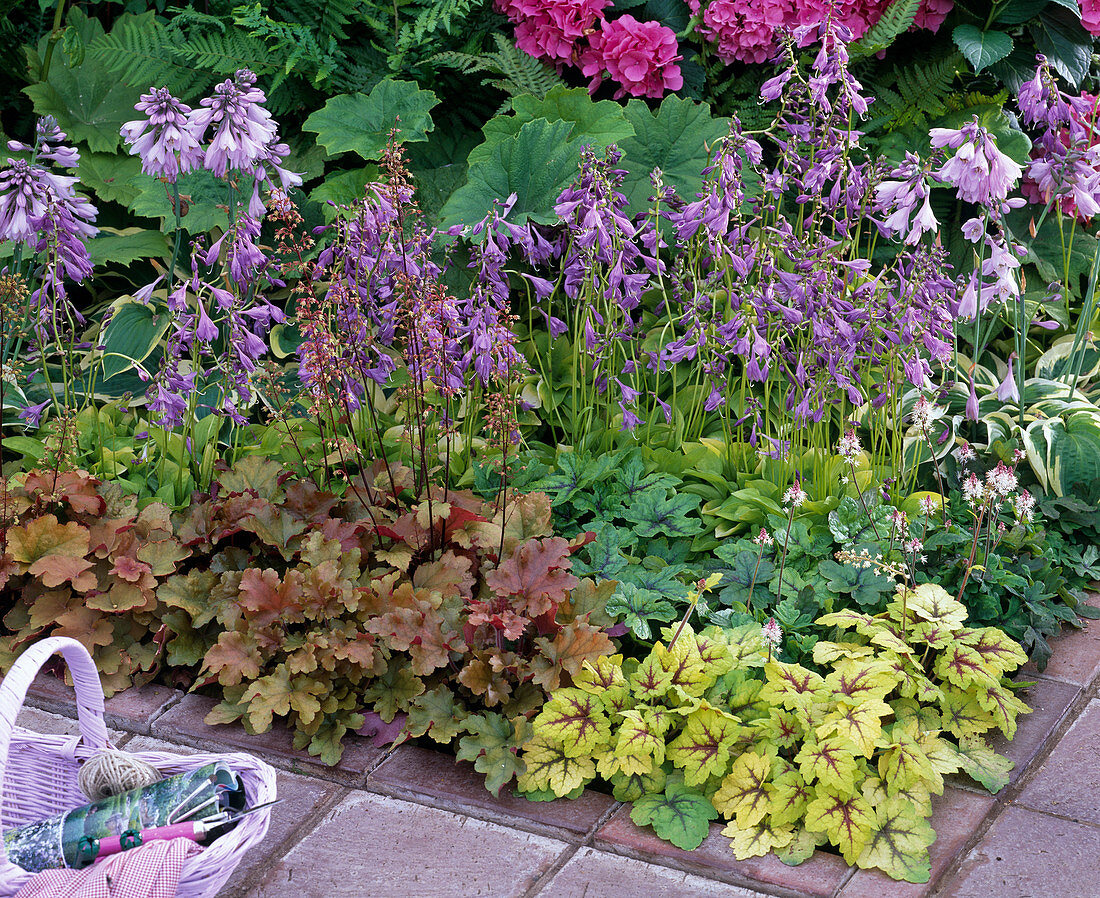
(1076, 653)
(596, 874)
(956, 816)
(378, 845)
(1068, 781)
(133, 710)
(184, 723)
(420, 774)
(821, 875)
(1027, 854)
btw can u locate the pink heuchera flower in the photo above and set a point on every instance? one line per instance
(550, 29)
(640, 56)
(1090, 16)
(743, 29)
(931, 14)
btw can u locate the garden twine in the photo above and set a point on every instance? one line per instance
(109, 772)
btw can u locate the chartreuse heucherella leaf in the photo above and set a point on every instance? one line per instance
(708, 726)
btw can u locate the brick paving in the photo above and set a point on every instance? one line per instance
(413, 823)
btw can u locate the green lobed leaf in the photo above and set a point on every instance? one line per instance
(361, 123)
(679, 815)
(982, 48)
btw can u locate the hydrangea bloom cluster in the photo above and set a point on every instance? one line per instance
(639, 57)
(747, 30)
(552, 29)
(1090, 16)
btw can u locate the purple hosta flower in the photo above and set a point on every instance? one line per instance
(32, 414)
(831, 68)
(245, 259)
(1008, 391)
(48, 144)
(899, 198)
(166, 140)
(169, 392)
(980, 172)
(243, 128)
(1041, 102)
(27, 194)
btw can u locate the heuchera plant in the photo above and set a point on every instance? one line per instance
(80, 560)
(847, 751)
(314, 608)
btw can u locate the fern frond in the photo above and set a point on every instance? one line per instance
(141, 50)
(897, 19)
(438, 18)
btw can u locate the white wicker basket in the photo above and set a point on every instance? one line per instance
(38, 773)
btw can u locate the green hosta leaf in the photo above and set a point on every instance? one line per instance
(981, 48)
(1064, 452)
(898, 841)
(654, 515)
(636, 608)
(492, 744)
(1059, 36)
(672, 138)
(361, 123)
(127, 246)
(90, 103)
(679, 815)
(537, 164)
(133, 332)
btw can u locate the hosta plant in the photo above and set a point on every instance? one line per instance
(80, 560)
(846, 751)
(314, 608)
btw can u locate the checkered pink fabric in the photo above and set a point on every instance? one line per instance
(151, 871)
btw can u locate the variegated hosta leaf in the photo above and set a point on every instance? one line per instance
(860, 724)
(857, 680)
(549, 767)
(831, 761)
(929, 602)
(983, 764)
(791, 685)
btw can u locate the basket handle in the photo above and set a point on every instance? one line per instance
(89, 692)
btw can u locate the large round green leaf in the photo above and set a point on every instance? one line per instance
(536, 164)
(361, 123)
(674, 139)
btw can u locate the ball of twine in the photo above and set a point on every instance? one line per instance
(110, 772)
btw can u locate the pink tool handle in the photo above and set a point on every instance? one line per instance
(113, 845)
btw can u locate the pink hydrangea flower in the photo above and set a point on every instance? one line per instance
(856, 15)
(640, 56)
(1090, 16)
(931, 14)
(550, 29)
(743, 30)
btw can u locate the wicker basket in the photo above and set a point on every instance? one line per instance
(38, 774)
